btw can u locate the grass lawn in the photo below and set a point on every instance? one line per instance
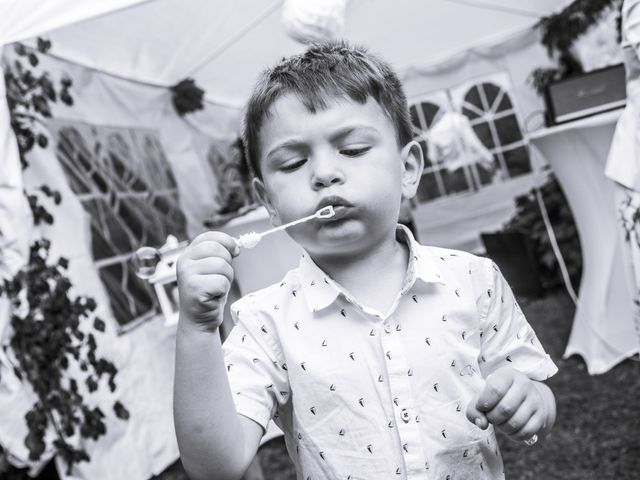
(597, 433)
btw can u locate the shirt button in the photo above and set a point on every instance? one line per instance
(387, 328)
(405, 415)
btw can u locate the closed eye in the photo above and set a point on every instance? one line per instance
(290, 167)
(354, 152)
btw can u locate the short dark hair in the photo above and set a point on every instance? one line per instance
(325, 71)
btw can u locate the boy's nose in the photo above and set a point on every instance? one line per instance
(326, 172)
(326, 181)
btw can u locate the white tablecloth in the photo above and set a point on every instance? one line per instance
(603, 329)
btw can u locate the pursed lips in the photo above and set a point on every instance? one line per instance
(339, 204)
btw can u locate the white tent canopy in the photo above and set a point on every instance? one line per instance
(224, 45)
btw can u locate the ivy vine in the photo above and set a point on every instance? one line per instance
(53, 342)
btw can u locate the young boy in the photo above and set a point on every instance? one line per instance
(378, 357)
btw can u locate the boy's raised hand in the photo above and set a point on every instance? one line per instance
(204, 275)
(513, 403)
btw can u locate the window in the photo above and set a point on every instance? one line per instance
(493, 117)
(125, 184)
(471, 137)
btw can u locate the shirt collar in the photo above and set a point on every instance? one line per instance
(320, 290)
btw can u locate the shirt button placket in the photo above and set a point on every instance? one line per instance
(399, 384)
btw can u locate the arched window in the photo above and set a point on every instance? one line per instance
(450, 152)
(125, 184)
(493, 118)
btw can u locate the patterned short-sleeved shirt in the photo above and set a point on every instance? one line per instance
(363, 394)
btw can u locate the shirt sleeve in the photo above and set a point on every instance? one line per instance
(254, 367)
(506, 336)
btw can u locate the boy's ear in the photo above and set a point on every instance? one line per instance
(412, 166)
(263, 197)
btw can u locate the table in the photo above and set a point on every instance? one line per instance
(603, 329)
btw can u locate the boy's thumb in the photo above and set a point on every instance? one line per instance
(476, 416)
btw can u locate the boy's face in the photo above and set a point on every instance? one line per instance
(347, 156)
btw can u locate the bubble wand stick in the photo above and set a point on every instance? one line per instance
(251, 239)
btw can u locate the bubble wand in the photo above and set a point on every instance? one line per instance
(146, 259)
(251, 239)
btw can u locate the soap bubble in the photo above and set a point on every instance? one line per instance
(145, 261)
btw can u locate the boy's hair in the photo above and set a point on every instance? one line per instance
(326, 71)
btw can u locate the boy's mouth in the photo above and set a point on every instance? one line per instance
(340, 206)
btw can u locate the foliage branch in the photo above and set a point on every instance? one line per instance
(52, 341)
(528, 220)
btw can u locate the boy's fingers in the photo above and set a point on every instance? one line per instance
(219, 286)
(495, 388)
(476, 416)
(531, 428)
(516, 420)
(227, 241)
(214, 265)
(507, 407)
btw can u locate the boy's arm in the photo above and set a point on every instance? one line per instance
(213, 439)
(513, 363)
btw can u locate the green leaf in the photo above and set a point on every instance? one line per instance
(47, 87)
(41, 105)
(99, 325)
(43, 141)
(20, 49)
(43, 45)
(120, 411)
(91, 304)
(35, 444)
(33, 59)
(66, 98)
(92, 385)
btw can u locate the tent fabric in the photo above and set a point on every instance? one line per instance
(224, 45)
(25, 19)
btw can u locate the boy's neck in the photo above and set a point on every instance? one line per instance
(375, 276)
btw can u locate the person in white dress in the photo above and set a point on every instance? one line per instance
(623, 161)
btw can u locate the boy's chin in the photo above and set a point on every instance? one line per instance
(338, 237)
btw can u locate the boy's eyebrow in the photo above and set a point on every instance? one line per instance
(335, 135)
(343, 132)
